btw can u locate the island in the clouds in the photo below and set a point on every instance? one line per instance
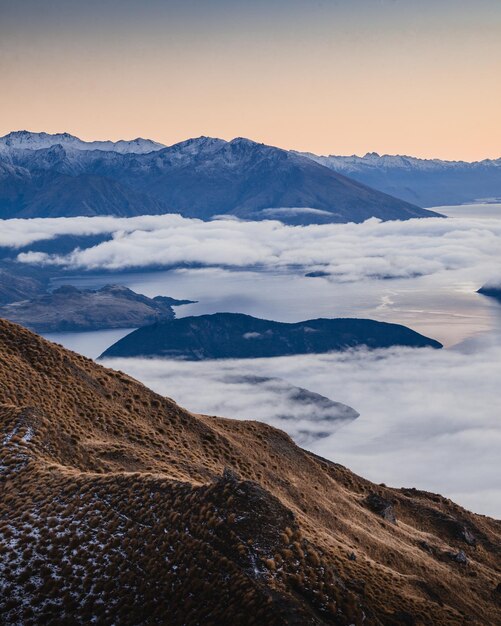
(60, 176)
(71, 309)
(238, 336)
(305, 415)
(493, 291)
(120, 507)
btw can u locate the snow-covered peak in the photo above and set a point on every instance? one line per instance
(207, 146)
(243, 141)
(26, 140)
(196, 145)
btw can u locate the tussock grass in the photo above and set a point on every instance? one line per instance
(117, 506)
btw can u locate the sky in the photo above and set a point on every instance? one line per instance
(327, 76)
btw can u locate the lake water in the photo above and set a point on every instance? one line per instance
(487, 210)
(442, 305)
(89, 343)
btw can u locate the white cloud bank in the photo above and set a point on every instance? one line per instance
(428, 419)
(347, 252)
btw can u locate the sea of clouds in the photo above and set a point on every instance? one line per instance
(347, 252)
(428, 418)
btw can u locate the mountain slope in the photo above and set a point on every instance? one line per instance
(20, 285)
(118, 506)
(206, 177)
(47, 192)
(427, 182)
(199, 178)
(238, 336)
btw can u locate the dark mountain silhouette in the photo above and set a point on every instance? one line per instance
(233, 335)
(492, 291)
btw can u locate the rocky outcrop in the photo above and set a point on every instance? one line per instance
(381, 506)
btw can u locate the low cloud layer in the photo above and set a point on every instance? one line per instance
(230, 391)
(346, 252)
(428, 419)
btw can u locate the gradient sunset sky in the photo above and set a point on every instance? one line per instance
(420, 77)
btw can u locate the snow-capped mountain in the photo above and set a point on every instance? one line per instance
(388, 161)
(26, 140)
(212, 166)
(427, 182)
(202, 178)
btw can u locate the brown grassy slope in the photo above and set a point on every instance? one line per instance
(118, 506)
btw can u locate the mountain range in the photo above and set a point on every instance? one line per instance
(426, 182)
(45, 175)
(238, 336)
(120, 507)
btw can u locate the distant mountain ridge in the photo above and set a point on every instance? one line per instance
(427, 182)
(199, 178)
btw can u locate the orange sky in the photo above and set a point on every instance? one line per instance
(329, 76)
